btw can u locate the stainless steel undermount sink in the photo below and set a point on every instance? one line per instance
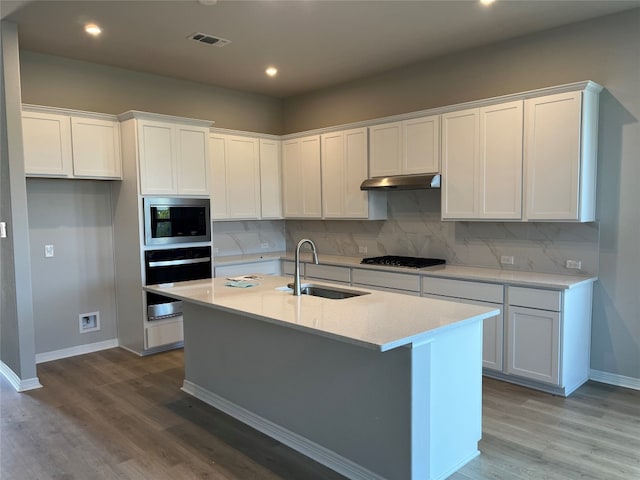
(325, 291)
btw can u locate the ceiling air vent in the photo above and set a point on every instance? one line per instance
(209, 39)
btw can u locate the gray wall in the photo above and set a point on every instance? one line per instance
(606, 50)
(75, 217)
(16, 312)
(61, 82)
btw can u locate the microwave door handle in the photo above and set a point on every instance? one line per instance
(173, 263)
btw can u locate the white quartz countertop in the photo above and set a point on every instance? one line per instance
(459, 272)
(378, 320)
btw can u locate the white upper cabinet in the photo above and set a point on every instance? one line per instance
(71, 145)
(344, 167)
(421, 145)
(407, 147)
(157, 158)
(301, 180)
(482, 163)
(192, 160)
(96, 148)
(561, 134)
(270, 178)
(173, 158)
(460, 163)
(47, 144)
(235, 165)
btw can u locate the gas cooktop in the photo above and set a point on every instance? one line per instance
(398, 261)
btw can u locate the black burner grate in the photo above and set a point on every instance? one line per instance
(399, 261)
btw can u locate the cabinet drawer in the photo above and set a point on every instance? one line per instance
(289, 267)
(535, 298)
(265, 268)
(377, 278)
(484, 292)
(327, 272)
(164, 334)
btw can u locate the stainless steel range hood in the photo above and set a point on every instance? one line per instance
(402, 182)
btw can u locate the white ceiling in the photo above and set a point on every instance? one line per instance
(314, 43)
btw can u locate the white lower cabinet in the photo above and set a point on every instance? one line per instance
(533, 343)
(475, 293)
(549, 336)
(405, 283)
(330, 273)
(165, 334)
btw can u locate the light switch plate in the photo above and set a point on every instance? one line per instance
(48, 251)
(3, 229)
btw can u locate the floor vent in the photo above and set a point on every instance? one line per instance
(209, 39)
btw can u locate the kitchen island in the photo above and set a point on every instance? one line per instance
(377, 386)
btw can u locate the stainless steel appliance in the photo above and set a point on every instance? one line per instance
(176, 220)
(173, 265)
(399, 261)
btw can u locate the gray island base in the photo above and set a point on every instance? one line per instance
(338, 388)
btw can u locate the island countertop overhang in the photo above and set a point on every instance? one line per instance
(379, 320)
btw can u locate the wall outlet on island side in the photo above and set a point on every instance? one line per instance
(362, 249)
(264, 245)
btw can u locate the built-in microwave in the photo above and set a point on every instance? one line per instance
(176, 220)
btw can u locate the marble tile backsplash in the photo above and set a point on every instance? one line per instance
(414, 228)
(247, 237)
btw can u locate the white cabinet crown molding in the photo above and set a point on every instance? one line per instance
(27, 107)
(160, 117)
(586, 85)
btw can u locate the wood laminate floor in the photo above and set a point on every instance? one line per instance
(113, 415)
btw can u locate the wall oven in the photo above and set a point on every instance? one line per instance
(173, 265)
(176, 220)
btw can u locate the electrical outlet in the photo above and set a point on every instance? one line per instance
(48, 251)
(574, 264)
(362, 249)
(264, 245)
(506, 260)
(3, 230)
(215, 249)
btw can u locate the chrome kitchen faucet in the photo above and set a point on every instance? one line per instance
(296, 279)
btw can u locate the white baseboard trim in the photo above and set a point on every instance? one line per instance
(16, 382)
(78, 350)
(615, 379)
(297, 442)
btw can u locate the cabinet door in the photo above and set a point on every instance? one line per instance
(192, 160)
(218, 176)
(270, 179)
(302, 196)
(311, 180)
(500, 168)
(243, 177)
(356, 202)
(47, 144)
(533, 344)
(291, 175)
(157, 158)
(96, 148)
(552, 156)
(333, 175)
(460, 149)
(385, 148)
(421, 142)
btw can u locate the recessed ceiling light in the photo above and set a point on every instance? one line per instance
(486, 3)
(92, 29)
(271, 71)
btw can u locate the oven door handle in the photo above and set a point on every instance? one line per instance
(174, 263)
